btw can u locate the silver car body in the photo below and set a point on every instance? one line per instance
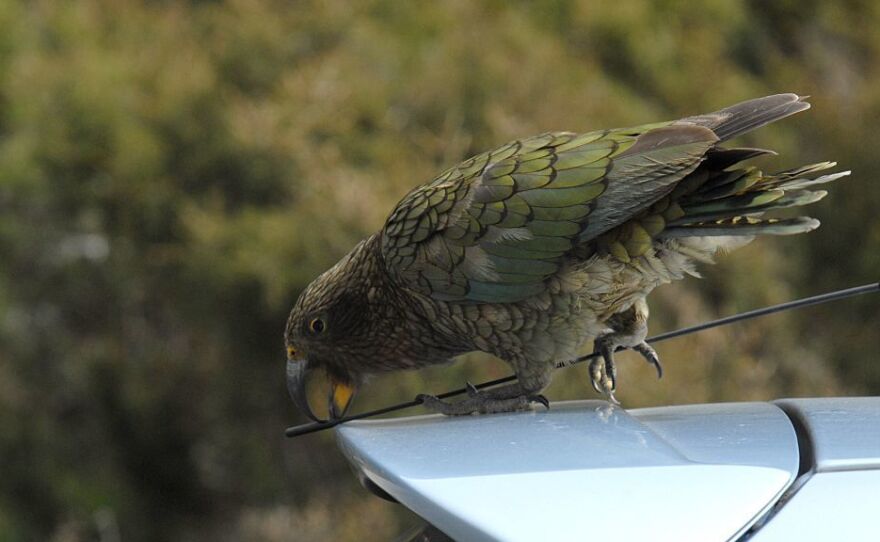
(795, 469)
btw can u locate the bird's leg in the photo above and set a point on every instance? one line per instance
(516, 396)
(510, 391)
(628, 330)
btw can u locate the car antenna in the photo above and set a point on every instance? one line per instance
(307, 428)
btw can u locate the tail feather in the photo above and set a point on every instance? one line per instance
(747, 116)
(748, 227)
(797, 184)
(729, 183)
(720, 158)
(732, 202)
(721, 204)
(747, 204)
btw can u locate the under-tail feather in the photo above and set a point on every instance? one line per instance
(732, 202)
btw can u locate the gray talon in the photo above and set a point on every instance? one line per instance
(595, 375)
(650, 356)
(656, 364)
(540, 398)
(603, 372)
(612, 399)
(609, 380)
(610, 370)
(472, 390)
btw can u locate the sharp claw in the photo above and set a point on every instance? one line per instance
(651, 357)
(595, 375)
(422, 397)
(612, 399)
(472, 390)
(540, 398)
(611, 373)
(607, 352)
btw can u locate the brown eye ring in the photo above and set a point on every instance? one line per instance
(316, 325)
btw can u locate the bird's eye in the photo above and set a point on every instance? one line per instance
(316, 325)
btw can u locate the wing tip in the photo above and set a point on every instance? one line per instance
(750, 115)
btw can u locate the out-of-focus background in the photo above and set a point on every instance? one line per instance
(173, 174)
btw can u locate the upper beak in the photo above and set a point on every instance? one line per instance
(296, 386)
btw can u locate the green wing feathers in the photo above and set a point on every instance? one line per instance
(497, 226)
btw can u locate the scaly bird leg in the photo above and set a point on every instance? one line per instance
(481, 404)
(519, 395)
(628, 330)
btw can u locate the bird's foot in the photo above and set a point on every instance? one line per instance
(480, 403)
(650, 355)
(603, 376)
(603, 371)
(472, 390)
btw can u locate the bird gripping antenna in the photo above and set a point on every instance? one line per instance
(305, 429)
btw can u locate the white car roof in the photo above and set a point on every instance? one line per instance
(584, 469)
(843, 432)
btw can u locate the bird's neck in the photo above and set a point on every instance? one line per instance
(398, 324)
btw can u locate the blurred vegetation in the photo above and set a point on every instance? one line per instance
(173, 174)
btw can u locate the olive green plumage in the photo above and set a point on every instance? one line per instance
(494, 228)
(564, 228)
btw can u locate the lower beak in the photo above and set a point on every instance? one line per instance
(340, 398)
(296, 386)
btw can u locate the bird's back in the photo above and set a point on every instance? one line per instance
(496, 227)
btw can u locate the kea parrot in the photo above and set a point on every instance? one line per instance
(531, 250)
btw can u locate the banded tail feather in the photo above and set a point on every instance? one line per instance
(733, 201)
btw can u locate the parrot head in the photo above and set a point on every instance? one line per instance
(328, 330)
(315, 339)
(350, 323)
(318, 336)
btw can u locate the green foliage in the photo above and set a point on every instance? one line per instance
(172, 175)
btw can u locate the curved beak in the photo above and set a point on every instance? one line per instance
(340, 398)
(296, 386)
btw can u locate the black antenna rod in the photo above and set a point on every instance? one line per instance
(807, 301)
